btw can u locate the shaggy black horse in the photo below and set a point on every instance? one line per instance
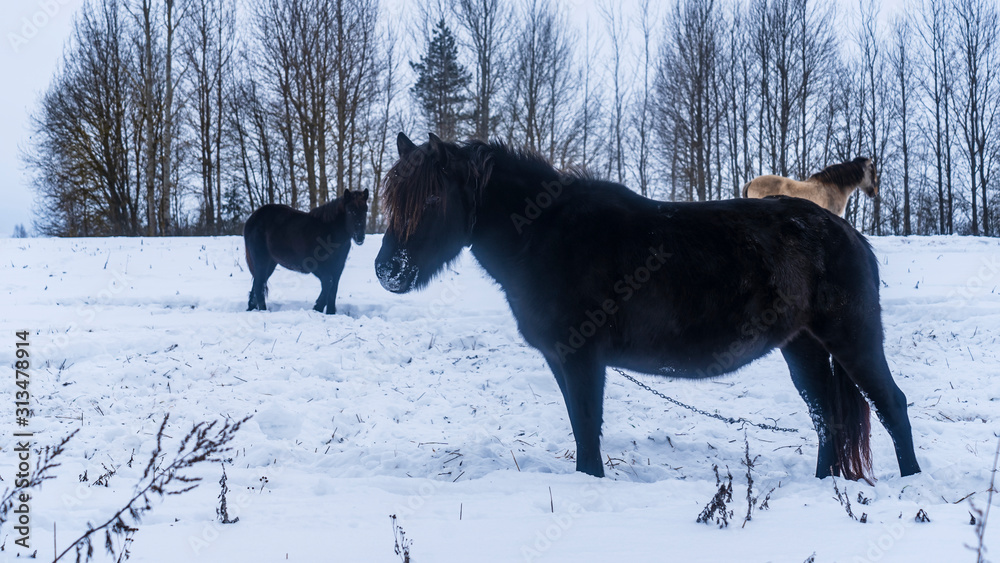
(599, 276)
(312, 243)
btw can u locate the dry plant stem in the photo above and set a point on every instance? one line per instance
(195, 447)
(749, 463)
(981, 526)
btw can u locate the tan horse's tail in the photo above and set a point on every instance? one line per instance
(746, 188)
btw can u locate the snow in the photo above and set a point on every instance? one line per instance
(431, 407)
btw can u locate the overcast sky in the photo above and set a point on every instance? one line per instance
(34, 33)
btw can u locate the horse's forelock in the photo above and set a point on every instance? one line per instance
(414, 179)
(406, 189)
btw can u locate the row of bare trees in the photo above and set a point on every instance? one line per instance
(778, 86)
(181, 116)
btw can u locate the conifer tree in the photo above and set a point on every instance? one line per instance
(442, 85)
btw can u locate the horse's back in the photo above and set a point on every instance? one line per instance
(686, 280)
(763, 186)
(816, 192)
(299, 241)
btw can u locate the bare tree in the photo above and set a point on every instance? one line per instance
(152, 114)
(644, 105)
(874, 98)
(173, 17)
(355, 58)
(590, 107)
(209, 43)
(686, 89)
(934, 31)
(902, 66)
(487, 25)
(543, 80)
(977, 30)
(85, 133)
(253, 133)
(737, 83)
(617, 28)
(382, 118)
(817, 52)
(277, 26)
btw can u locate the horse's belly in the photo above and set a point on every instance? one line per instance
(695, 353)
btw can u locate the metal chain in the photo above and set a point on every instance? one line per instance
(727, 420)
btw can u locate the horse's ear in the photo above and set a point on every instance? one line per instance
(404, 145)
(436, 141)
(364, 195)
(440, 149)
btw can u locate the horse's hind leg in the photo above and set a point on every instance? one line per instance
(582, 384)
(265, 267)
(863, 358)
(809, 365)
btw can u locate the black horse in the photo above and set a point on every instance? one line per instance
(599, 276)
(312, 243)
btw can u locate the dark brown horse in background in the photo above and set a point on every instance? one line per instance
(315, 243)
(829, 188)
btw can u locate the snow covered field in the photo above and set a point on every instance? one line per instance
(429, 406)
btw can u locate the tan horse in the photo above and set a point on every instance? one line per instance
(829, 188)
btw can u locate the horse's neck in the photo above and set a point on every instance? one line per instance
(508, 207)
(843, 193)
(329, 212)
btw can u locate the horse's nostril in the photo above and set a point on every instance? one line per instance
(389, 270)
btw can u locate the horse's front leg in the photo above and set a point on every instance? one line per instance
(329, 296)
(333, 282)
(582, 384)
(321, 300)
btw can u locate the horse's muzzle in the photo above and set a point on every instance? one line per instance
(396, 274)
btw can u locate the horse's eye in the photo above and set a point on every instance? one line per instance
(432, 200)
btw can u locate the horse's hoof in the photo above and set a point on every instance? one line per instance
(590, 469)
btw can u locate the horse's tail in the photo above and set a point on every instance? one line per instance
(850, 427)
(746, 188)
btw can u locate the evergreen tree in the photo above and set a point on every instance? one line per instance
(441, 85)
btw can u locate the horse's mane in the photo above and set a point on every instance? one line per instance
(844, 174)
(415, 179)
(328, 211)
